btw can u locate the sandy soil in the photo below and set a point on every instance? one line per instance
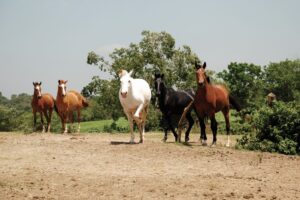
(103, 166)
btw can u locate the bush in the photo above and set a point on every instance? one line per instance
(277, 129)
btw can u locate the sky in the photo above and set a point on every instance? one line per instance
(48, 40)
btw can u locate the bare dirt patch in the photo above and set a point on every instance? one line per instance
(103, 166)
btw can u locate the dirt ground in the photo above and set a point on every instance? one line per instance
(105, 166)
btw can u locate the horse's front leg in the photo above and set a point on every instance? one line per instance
(169, 120)
(203, 137)
(63, 117)
(130, 120)
(214, 128)
(42, 122)
(34, 120)
(138, 113)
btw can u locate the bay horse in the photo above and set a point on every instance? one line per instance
(134, 96)
(42, 103)
(172, 103)
(209, 100)
(67, 103)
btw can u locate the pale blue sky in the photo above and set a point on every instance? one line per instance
(49, 40)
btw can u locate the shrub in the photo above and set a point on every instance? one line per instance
(277, 129)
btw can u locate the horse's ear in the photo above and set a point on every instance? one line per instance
(156, 75)
(58, 81)
(197, 66)
(32, 83)
(66, 81)
(130, 73)
(40, 83)
(204, 65)
(162, 76)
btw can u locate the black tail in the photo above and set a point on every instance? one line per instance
(234, 103)
(85, 103)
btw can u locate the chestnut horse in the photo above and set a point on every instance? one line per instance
(67, 103)
(42, 103)
(209, 100)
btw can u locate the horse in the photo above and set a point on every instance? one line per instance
(172, 103)
(134, 96)
(67, 103)
(210, 99)
(42, 103)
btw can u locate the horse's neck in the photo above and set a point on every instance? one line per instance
(35, 97)
(163, 94)
(202, 92)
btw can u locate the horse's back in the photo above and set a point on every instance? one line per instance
(45, 102)
(75, 98)
(222, 97)
(143, 88)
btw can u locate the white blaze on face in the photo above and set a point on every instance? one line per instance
(125, 84)
(38, 89)
(63, 89)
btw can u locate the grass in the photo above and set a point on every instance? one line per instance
(99, 126)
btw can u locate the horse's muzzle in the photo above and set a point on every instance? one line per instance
(201, 84)
(124, 94)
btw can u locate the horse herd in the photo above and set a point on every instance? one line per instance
(135, 96)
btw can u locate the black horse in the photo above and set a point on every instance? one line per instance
(172, 103)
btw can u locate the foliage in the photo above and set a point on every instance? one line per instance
(277, 129)
(283, 80)
(244, 81)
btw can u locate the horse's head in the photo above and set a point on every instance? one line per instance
(37, 89)
(62, 88)
(201, 76)
(159, 82)
(126, 80)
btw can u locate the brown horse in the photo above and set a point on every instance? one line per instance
(67, 103)
(42, 103)
(209, 100)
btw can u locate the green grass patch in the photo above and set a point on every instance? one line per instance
(104, 126)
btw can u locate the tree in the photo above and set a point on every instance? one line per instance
(155, 52)
(283, 79)
(244, 82)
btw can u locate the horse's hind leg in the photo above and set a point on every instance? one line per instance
(141, 127)
(226, 116)
(49, 120)
(78, 120)
(191, 123)
(214, 128)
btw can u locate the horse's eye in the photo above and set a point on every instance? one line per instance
(129, 81)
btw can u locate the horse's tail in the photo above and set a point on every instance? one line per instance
(85, 103)
(234, 103)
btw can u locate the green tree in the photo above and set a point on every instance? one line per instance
(155, 52)
(244, 82)
(283, 79)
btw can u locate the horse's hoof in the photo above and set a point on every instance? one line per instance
(141, 141)
(203, 142)
(213, 144)
(164, 140)
(187, 139)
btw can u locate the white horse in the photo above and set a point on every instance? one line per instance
(135, 96)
